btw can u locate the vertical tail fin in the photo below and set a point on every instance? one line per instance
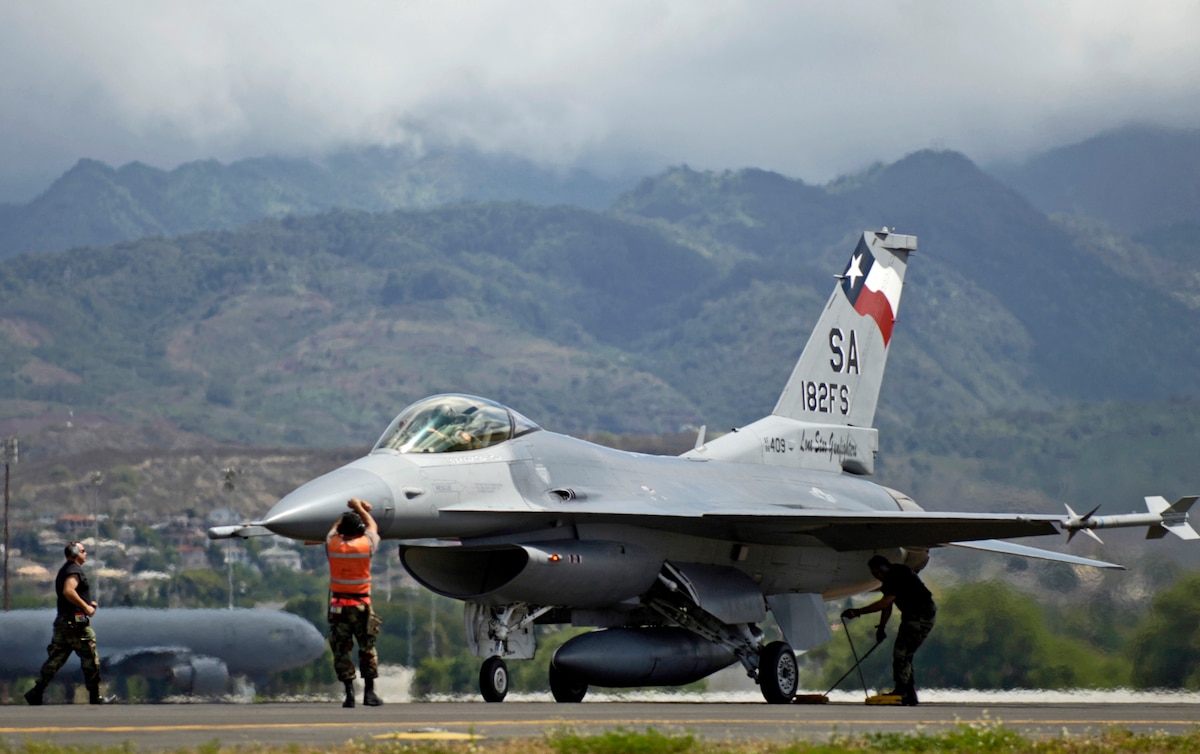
(838, 376)
(824, 416)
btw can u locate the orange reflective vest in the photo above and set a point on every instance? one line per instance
(350, 568)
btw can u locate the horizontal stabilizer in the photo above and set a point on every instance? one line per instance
(1025, 551)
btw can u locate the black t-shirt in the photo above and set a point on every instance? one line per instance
(912, 597)
(67, 609)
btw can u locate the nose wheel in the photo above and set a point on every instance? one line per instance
(778, 673)
(493, 680)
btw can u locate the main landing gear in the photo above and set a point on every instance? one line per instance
(778, 673)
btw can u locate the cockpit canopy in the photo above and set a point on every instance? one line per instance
(452, 423)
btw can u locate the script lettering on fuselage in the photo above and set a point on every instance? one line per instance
(815, 443)
(829, 444)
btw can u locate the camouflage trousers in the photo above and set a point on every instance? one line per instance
(71, 637)
(911, 635)
(352, 624)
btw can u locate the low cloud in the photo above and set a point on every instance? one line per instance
(809, 89)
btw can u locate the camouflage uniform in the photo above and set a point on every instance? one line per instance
(350, 615)
(72, 633)
(917, 616)
(69, 637)
(357, 623)
(909, 637)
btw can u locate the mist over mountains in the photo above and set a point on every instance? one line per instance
(94, 204)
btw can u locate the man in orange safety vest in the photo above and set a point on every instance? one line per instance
(349, 546)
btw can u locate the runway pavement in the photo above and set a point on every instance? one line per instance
(172, 726)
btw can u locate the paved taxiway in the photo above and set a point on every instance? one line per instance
(171, 726)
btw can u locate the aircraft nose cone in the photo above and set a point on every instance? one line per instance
(312, 643)
(311, 510)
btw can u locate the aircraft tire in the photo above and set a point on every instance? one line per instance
(565, 688)
(778, 673)
(493, 680)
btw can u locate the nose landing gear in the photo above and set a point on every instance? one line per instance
(493, 680)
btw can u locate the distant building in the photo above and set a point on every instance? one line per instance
(280, 557)
(33, 572)
(73, 524)
(192, 557)
(141, 582)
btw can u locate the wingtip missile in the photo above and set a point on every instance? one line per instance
(1161, 518)
(1174, 517)
(1076, 523)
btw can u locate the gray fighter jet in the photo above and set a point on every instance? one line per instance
(677, 560)
(195, 652)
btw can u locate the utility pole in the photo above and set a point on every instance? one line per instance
(10, 458)
(96, 480)
(230, 475)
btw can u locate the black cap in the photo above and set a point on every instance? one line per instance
(351, 525)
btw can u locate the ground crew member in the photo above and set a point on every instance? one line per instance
(902, 587)
(72, 628)
(349, 546)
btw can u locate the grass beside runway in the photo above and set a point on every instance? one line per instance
(974, 738)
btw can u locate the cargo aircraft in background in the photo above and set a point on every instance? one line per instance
(676, 560)
(194, 652)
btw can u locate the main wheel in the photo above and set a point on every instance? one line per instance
(778, 673)
(493, 679)
(566, 688)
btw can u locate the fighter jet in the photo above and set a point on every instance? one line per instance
(195, 652)
(675, 560)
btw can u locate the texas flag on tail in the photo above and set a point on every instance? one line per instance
(873, 290)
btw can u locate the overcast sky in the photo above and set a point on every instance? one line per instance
(809, 89)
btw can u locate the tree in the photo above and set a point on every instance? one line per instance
(1165, 649)
(988, 636)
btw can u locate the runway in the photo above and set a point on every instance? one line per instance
(172, 726)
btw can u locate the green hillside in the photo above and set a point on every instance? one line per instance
(94, 204)
(1136, 178)
(685, 305)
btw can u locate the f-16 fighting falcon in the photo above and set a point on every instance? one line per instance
(675, 560)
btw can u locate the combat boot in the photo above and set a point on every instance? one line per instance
(95, 698)
(369, 697)
(349, 701)
(33, 697)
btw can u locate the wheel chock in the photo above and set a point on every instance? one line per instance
(810, 699)
(894, 700)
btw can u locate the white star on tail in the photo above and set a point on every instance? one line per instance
(855, 270)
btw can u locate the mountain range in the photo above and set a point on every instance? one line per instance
(275, 302)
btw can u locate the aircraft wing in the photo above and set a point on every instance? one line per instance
(874, 530)
(842, 530)
(1024, 551)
